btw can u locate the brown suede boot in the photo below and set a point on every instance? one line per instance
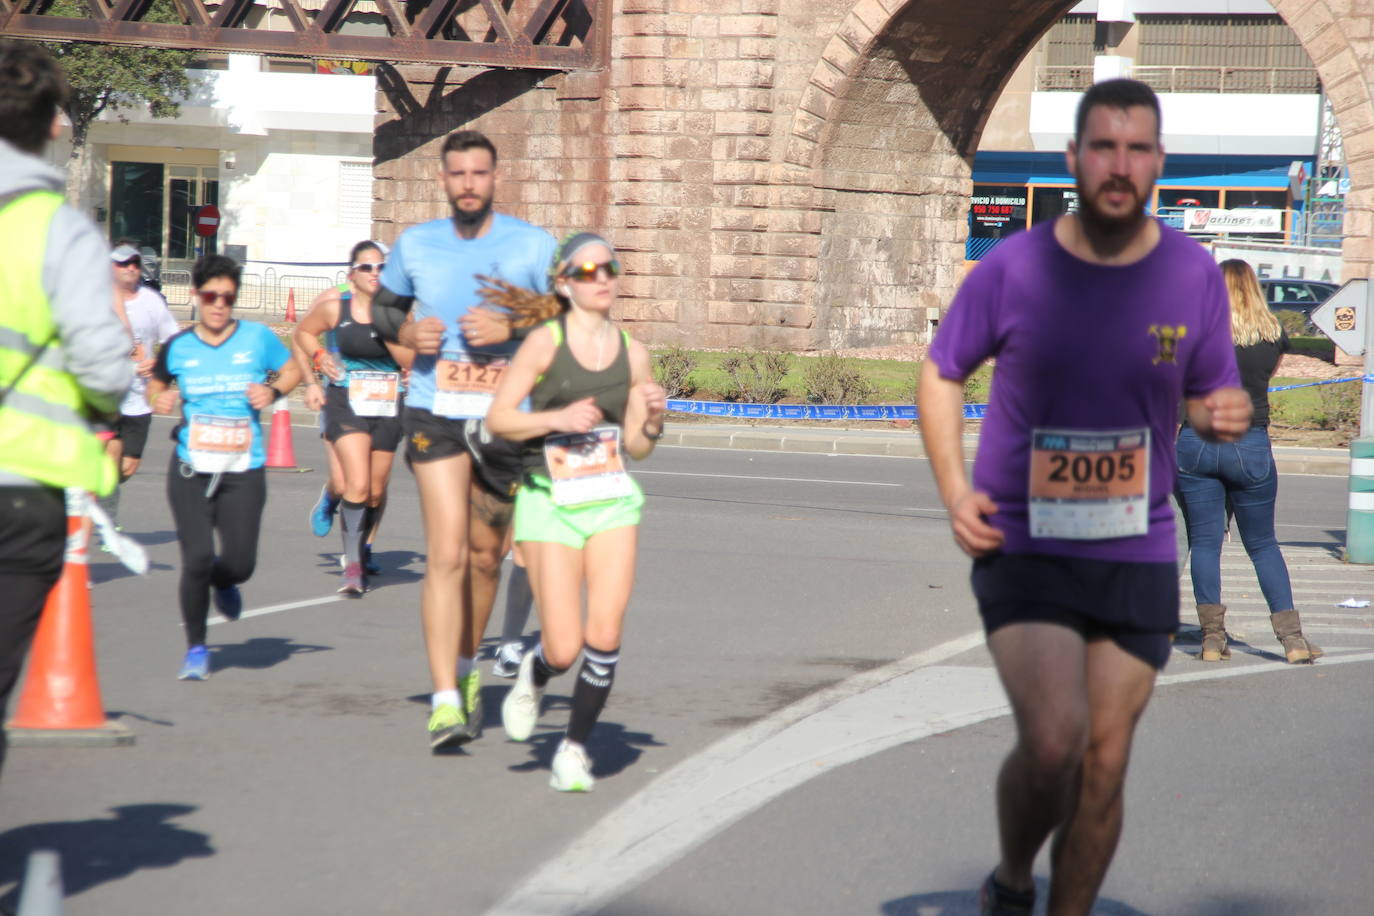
(1288, 628)
(1212, 619)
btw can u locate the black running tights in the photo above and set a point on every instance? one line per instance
(234, 512)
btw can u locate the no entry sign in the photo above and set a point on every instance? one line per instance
(207, 221)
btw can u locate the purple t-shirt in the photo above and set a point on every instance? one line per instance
(1085, 347)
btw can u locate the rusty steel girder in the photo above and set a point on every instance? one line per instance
(552, 35)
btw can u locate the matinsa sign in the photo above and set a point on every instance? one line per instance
(1202, 219)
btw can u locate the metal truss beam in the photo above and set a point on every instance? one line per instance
(533, 41)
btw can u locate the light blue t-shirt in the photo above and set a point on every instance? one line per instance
(214, 388)
(432, 263)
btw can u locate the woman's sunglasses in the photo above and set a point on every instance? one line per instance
(586, 273)
(209, 298)
(370, 267)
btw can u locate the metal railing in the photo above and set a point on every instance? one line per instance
(1216, 79)
(262, 296)
(1267, 80)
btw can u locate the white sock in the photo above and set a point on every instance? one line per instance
(465, 666)
(440, 697)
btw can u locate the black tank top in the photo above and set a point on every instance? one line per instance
(360, 346)
(566, 380)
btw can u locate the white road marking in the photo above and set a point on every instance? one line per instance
(857, 483)
(277, 608)
(901, 702)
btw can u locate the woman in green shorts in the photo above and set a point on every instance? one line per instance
(592, 401)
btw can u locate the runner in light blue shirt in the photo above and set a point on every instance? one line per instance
(433, 264)
(461, 351)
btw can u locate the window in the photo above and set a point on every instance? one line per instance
(1048, 203)
(1070, 47)
(1201, 53)
(355, 196)
(997, 211)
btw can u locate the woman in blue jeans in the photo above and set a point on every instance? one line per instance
(1211, 473)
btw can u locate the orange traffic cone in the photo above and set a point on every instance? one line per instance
(291, 305)
(61, 700)
(281, 451)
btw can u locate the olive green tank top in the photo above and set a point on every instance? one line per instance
(566, 381)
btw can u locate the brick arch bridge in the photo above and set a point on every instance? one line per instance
(784, 173)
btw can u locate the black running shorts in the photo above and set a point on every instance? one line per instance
(132, 431)
(1135, 605)
(430, 437)
(340, 420)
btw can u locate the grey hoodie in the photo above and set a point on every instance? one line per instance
(78, 281)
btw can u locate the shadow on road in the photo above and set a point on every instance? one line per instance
(395, 567)
(612, 747)
(259, 652)
(1335, 547)
(102, 849)
(100, 573)
(965, 903)
(152, 538)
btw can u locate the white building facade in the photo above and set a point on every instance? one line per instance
(286, 157)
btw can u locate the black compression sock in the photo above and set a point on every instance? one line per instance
(593, 687)
(542, 669)
(352, 515)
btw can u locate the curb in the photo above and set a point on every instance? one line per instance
(1320, 462)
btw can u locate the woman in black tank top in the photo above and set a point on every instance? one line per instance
(361, 431)
(593, 399)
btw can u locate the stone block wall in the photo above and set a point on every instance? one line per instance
(780, 173)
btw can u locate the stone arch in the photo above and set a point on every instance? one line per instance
(886, 128)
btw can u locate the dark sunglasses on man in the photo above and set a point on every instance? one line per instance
(131, 262)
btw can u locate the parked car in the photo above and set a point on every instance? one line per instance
(1296, 295)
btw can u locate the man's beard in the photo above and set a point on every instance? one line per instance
(1094, 218)
(471, 217)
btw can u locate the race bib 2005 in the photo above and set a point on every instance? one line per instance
(373, 394)
(586, 467)
(219, 445)
(1089, 485)
(464, 384)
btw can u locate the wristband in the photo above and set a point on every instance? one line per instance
(653, 437)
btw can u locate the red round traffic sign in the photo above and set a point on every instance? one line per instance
(207, 221)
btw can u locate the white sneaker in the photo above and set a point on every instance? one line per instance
(508, 656)
(572, 769)
(520, 708)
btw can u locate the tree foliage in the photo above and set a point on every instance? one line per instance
(114, 78)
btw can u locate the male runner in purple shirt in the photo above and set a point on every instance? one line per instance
(1101, 323)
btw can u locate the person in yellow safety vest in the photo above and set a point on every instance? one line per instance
(64, 355)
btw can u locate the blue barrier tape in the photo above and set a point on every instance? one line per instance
(733, 409)
(809, 411)
(1330, 381)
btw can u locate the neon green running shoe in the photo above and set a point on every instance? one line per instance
(447, 727)
(470, 689)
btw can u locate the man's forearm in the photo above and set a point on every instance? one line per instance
(389, 313)
(941, 407)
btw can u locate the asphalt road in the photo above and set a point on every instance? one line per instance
(804, 721)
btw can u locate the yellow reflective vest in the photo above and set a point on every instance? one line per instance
(44, 433)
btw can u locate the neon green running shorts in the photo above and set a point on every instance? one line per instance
(538, 519)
